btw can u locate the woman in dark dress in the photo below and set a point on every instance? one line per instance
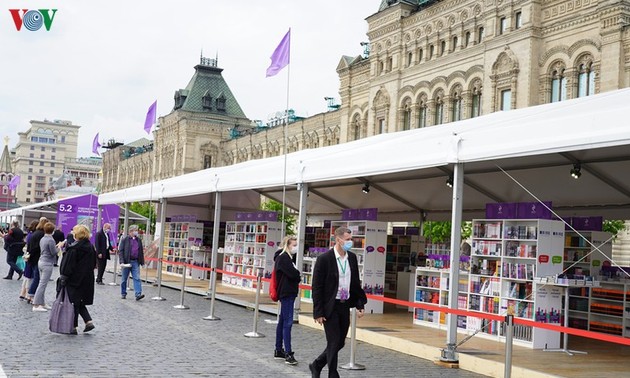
(77, 270)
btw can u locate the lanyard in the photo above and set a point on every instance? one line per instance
(344, 266)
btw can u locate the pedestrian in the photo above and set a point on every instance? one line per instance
(288, 281)
(34, 251)
(131, 257)
(77, 274)
(103, 249)
(45, 265)
(28, 270)
(58, 237)
(14, 245)
(336, 288)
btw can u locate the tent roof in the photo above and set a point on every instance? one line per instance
(407, 170)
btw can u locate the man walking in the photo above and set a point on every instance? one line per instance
(131, 256)
(14, 244)
(336, 289)
(103, 249)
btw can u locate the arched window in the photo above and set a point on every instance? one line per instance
(420, 55)
(455, 40)
(422, 112)
(221, 103)
(439, 108)
(409, 59)
(476, 100)
(379, 68)
(480, 34)
(356, 127)
(586, 79)
(467, 39)
(558, 85)
(442, 47)
(456, 104)
(431, 51)
(206, 101)
(406, 121)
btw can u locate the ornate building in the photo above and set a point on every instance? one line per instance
(7, 195)
(430, 62)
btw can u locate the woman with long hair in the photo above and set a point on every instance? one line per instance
(288, 281)
(46, 261)
(77, 270)
(32, 247)
(28, 270)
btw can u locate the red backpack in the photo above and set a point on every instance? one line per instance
(273, 286)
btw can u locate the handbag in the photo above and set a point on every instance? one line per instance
(20, 263)
(62, 314)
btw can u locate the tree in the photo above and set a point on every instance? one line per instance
(145, 209)
(614, 227)
(440, 231)
(289, 215)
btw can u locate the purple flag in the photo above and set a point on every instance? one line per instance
(15, 181)
(150, 120)
(280, 56)
(96, 145)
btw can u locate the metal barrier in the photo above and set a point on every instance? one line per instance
(254, 333)
(352, 365)
(509, 339)
(159, 281)
(213, 295)
(181, 305)
(115, 271)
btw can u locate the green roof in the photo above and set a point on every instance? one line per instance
(204, 89)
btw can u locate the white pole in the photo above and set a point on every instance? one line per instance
(215, 251)
(303, 188)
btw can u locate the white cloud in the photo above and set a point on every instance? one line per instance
(104, 62)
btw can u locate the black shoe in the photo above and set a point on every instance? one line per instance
(100, 283)
(20, 275)
(123, 297)
(74, 332)
(279, 354)
(88, 327)
(7, 278)
(55, 265)
(290, 360)
(314, 372)
(139, 297)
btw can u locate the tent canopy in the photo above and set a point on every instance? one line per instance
(407, 170)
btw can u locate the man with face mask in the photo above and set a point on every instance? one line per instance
(103, 249)
(131, 257)
(336, 289)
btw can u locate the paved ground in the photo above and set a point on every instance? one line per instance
(151, 339)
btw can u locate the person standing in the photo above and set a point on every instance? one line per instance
(34, 253)
(45, 265)
(58, 237)
(14, 244)
(336, 288)
(103, 249)
(131, 257)
(77, 274)
(288, 279)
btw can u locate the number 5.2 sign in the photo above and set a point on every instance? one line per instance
(65, 208)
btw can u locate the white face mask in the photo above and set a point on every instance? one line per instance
(294, 249)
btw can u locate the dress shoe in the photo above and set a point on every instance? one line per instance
(74, 332)
(88, 327)
(100, 283)
(7, 278)
(20, 275)
(314, 372)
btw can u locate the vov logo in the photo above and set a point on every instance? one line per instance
(33, 19)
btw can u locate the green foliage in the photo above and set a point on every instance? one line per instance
(290, 219)
(145, 209)
(614, 227)
(440, 231)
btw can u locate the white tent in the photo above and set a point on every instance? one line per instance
(407, 170)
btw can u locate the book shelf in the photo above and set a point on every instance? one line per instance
(400, 248)
(249, 250)
(308, 262)
(318, 237)
(432, 285)
(370, 240)
(182, 242)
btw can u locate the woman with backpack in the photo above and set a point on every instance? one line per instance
(288, 280)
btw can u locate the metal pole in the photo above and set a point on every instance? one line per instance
(215, 250)
(255, 333)
(353, 343)
(161, 250)
(181, 305)
(448, 354)
(115, 271)
(509, 338)
(303, 188)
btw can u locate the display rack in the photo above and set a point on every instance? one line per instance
(308, 262)
(249, 250)
(401, 246)
(370, 240)
(182, 242)
(432, 285)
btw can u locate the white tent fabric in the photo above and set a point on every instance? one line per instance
(586, 123)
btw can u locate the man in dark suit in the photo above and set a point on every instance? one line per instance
(103, 249)
(336, 289)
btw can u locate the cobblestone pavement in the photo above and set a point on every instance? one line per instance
(152, 339)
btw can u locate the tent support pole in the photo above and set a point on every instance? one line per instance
(215, 251)
(303, 188)
(448, 354)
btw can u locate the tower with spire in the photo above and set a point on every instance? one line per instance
(7, 196)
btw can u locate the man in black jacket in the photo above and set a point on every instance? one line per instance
(14, 244)
(336, 289)
(103, 249)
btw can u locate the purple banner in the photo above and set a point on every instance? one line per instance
(111, 214)
(534, 210)
(398, 230)
(79, 210)
(501, 210)
(413, 231)
(587, 223)
(359, 214)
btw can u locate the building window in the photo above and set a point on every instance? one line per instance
(431, 51)
(31, 155)
(28, 192)
(221, 103)
(456, 107)
(30, 170)
(518, 20)
(207, 161)
(206, 101)
(380, 68)
(439, 110)
(442, 47)
(357, 130)
(420, 55)
(52, 171)
(407, 119)
(30, 162)
(53, 149)
(502, 25)
(409, 59)
(32, 148)
(42, 156)
(467, 39)
(480, 34)
(63, 139)
(381, 125)
(43, 149)
(41, 163)
(52, 164)
(390, 64)
(52, 157)
(558, 86)
(41, 171)
(30, 177)
(5, 190)
(455, 40)
(29, 185)
(476, 103)
(586, 80)
(506, 99)
(422, 116)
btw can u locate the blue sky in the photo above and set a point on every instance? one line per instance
(104, 62)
